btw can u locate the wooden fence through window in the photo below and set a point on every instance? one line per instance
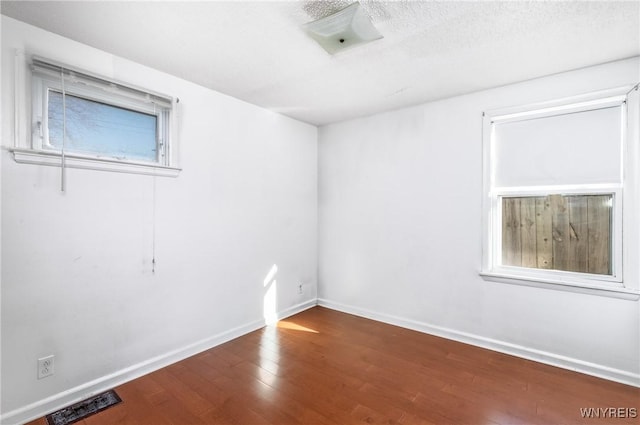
(559, 232)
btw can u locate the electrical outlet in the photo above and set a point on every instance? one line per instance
(45, 366)
(300, 288)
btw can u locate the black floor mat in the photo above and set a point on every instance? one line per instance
(83, 409)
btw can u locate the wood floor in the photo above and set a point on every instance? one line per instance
(325, 367)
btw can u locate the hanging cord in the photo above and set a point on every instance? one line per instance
(153, 215)
(153, 228)
(63, 168)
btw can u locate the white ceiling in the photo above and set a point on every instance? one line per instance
(256, 51)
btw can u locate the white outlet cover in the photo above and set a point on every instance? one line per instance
(45, 366)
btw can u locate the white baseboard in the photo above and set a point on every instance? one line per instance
(298, 308)
(45, 406)
(552, 359)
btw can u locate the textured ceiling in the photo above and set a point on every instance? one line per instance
(256, 51)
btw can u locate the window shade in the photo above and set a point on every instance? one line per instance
(574, 148)
(50, 68)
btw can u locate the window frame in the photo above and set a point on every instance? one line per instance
(563, 275)
(31, 134)
(624, 279)
(43, 85)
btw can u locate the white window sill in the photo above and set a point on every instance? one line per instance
(604, 289)
(30, 156)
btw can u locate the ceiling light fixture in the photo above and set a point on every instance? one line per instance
(347, 27)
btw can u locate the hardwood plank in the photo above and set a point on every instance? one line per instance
(528, 232)
(323, 367)
(599, 218)
(578, 260)
(544, 233)
(560, 231)
(511, 233)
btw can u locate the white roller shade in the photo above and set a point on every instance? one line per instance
(46, 67)
(580, 147)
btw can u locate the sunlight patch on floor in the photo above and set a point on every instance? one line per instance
(283, 324)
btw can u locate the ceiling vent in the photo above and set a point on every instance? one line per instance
(346, 28)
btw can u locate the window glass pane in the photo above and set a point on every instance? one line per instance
(558, 232)
(100, 129)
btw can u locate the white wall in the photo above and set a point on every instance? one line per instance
(76, 275)
(400, 198)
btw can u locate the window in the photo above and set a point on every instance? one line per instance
(554, 179)
(558, 232)
(96, 128)
(86, 121)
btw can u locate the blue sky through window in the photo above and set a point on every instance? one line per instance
(100, 129)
